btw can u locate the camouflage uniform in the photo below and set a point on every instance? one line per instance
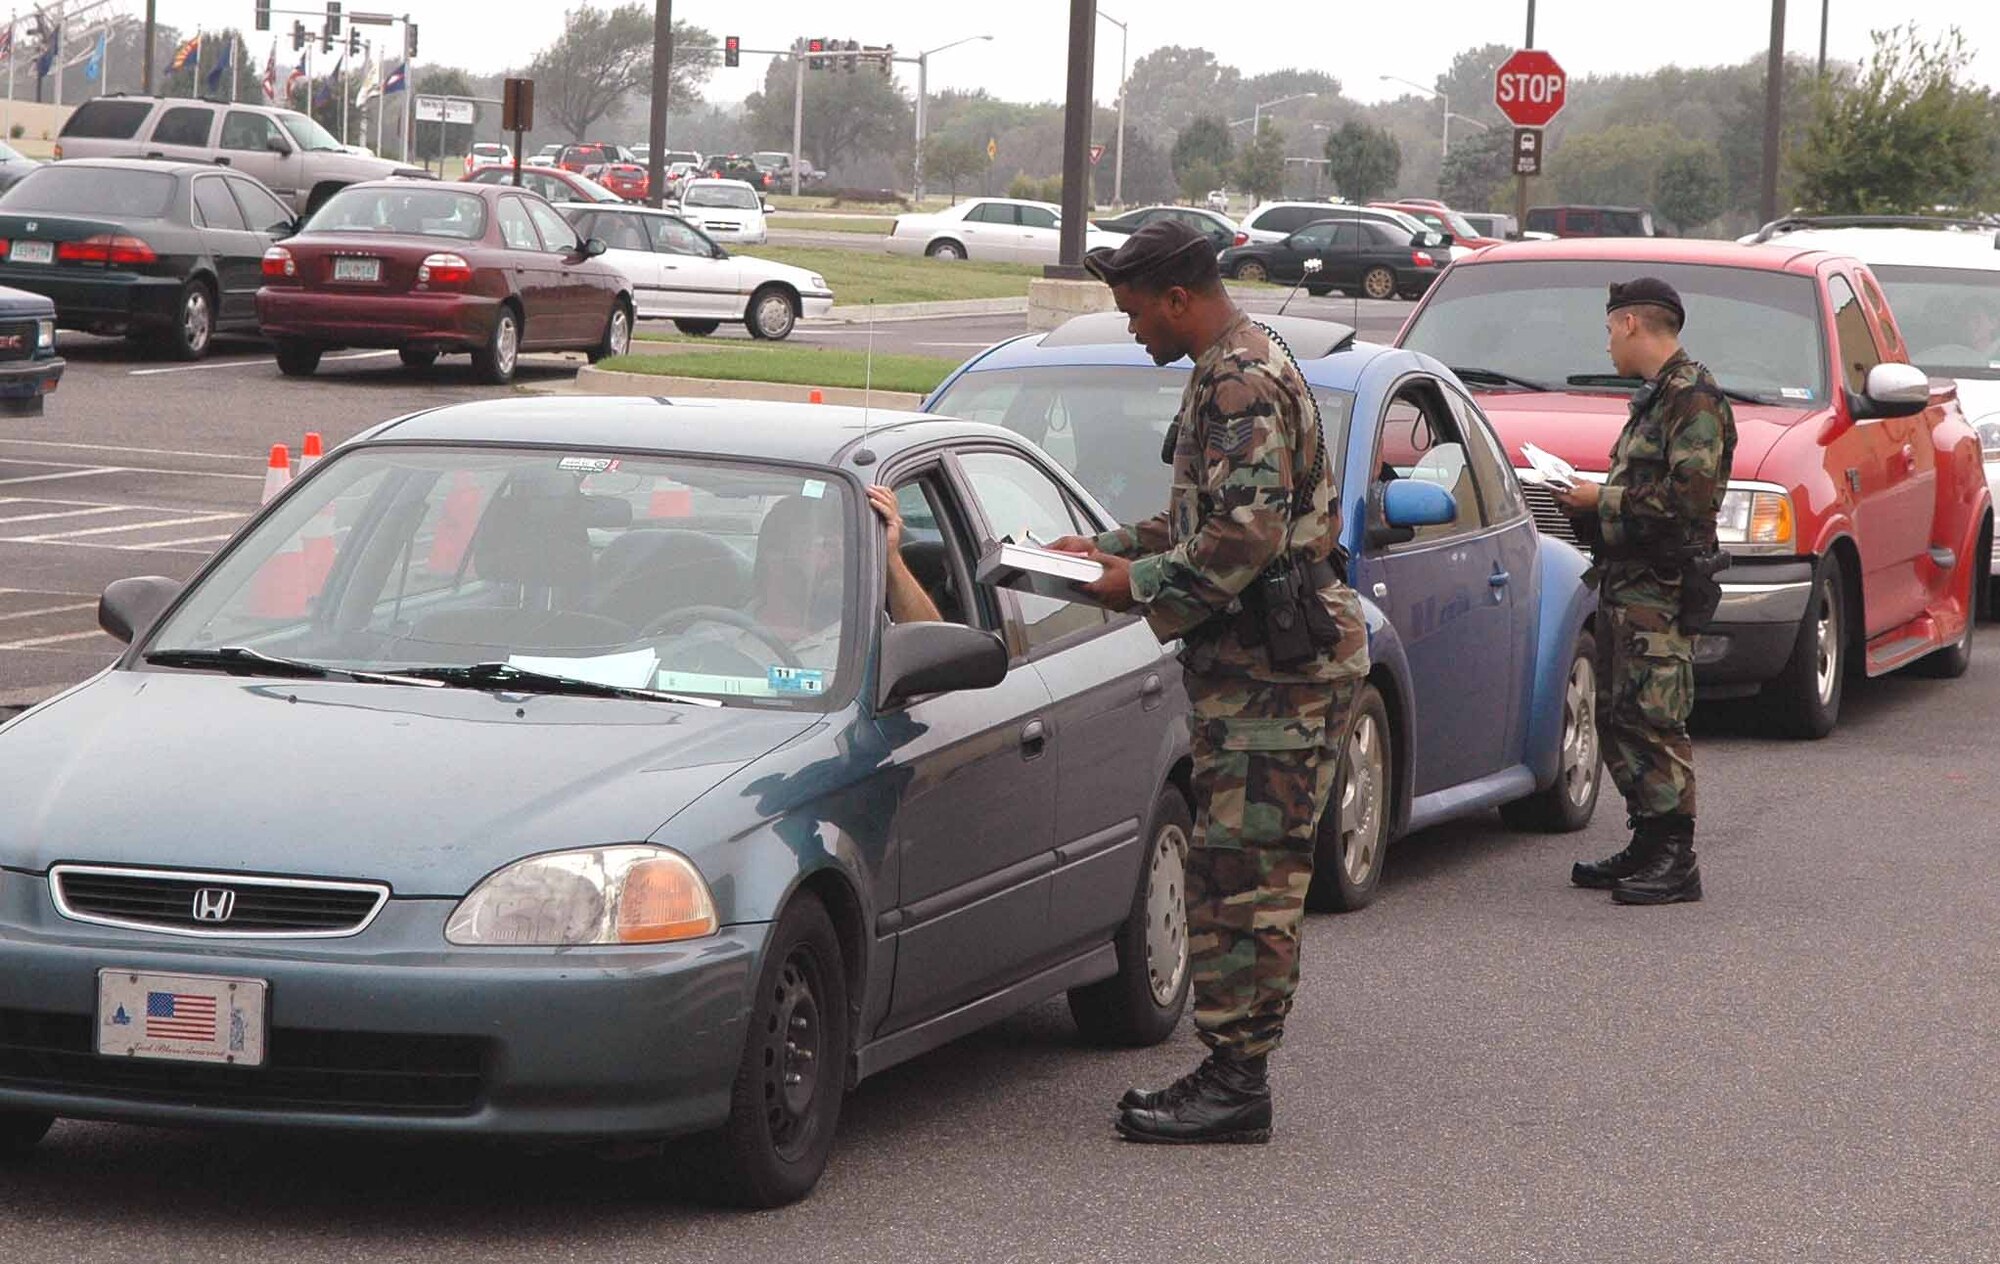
(1669, 469)
(1265, 741)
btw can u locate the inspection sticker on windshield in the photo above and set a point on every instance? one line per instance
(802, 680)
(1795, 392)
(813, 489)
(587, 464)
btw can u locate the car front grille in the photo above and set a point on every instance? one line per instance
(1549, 517)
(215, 904)
(17, 340)
(367, 1073)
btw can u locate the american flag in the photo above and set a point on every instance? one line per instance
(178, 1016)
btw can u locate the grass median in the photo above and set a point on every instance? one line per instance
(797, 366)
(858, 277)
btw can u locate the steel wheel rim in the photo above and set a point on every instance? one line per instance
(774, 316)
(506, 344)
(621, 332)
(194, 319)
(1252, 272)
(793, 1054)
(1378, 288)
(1579, 745)
(1361, 802)
(1828, 648)
(1166, 915)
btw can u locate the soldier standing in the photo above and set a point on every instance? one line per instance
(1245, 569)
(1652, 531)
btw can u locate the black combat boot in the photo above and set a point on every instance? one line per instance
(1226, 1101)
(1154, 1098)
(1648, 838)
(1672, 876)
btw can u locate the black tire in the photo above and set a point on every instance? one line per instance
(1805, 696)
(297, 358)
(1566, 804)
(494, 363)
(1354, 829)
(417, 357)
(947, 250)
(698, 328)
(771, 315)
(1379, 282)
(193, 329)
(1142, 1003)
(1250, 270)
(774, 1145)
(617, 339)
(318, 198)
(21, 1131)
(1319, 291)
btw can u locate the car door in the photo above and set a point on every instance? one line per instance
(628, 247)
(582, 306)
(1919, 457)
(1504, 510)
(254, 144)
(1344, 260)
(536, 278)
(1445, 589)
(237, 251)
(1039, 240)
(1109, 683)
(974, 834)
(988, 232)
(701, 284)
(181, 134)
(1287, 259)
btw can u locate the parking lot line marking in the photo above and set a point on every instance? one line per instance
(112, 447)
(29, 614)
(41, 478)
(99, 544)
(51, 500)
(54, 536)
(239, 364)
(33, 641)
(65, 513)
(169, 544)
(72, 472)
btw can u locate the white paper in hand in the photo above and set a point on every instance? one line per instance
(1548, 469)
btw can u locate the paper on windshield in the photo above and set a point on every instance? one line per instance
(632, 669)
(1548, 469)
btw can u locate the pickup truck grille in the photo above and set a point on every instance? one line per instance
(17, 340)
(1549, 517)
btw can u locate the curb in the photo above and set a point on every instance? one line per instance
(861, 313)
(594, 381)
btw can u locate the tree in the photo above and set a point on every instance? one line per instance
(863, 112)
(1261, 166)
(1362, 161)
(1619, 165)
(1479, 171)
(951, 159)
(604, 56)
(1172, 86)
(1690, 187)
(1198, 177)
(1206, 141)
(1909, 132)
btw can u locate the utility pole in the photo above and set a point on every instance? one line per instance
(1076, 139)
(1822, 38)
(146, 74)
(1520, 181)
(1774, 98)
(656, 112)
(798, 116)
(1118, 163)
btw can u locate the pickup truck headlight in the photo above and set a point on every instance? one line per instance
(1757, 520)
(1989, 436)
(632, 894)
(45, 335)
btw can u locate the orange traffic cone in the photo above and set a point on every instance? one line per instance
(278, 472)
(455, 526)
(310, 452)
(282, 588)
(815, 396)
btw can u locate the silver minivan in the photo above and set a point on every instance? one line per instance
(294, 156)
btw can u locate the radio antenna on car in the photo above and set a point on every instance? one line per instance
(864, 456)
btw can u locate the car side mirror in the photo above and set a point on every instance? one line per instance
(591, 248)
(926, 658)
(1408, 504)
(765, 203)
(1892, 390)
(129, 606)
(718, 252)
(277, 145)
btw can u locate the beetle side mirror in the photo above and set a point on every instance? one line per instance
(129, 606)
(926, 658)
(1408, 504)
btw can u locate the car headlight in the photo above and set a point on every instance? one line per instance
(1757, 520)
(631, 894)
(818, 281)
(45, 334)
(1989, 436)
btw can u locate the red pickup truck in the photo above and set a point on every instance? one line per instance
(1857, 516)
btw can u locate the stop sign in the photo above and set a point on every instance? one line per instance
(1529, 88)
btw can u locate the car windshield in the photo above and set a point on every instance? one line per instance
(1454, 223)
(406, 212)
(1950, 318)
(1543, 321)
(725, 196)
(72, 188)
(720, 579)
(309, 134)
(1104, 424)
(489, 151)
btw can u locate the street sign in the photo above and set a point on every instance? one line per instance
(1527, 151)
(372, 19)
(992, 149)
(517, 105)
(1096, 152)
(1530, 88)
(442, 110)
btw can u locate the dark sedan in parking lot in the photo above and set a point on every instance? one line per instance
(629, 810)
(1356, 256)
(167, 252)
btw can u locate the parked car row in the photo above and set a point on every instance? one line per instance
(1003, 230)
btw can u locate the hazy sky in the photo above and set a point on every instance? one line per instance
(1025, 61)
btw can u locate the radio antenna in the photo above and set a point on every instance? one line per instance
(864, 456)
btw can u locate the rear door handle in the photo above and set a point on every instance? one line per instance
(1152, 691)
(1034, 738)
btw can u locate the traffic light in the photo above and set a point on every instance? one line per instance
(353, 41)
(333, 17)
(298, 36)
(409, 40)
(263, 15)
(814, 47)
(888, 61)
(853, 63)
(732, 51)
(326, 42)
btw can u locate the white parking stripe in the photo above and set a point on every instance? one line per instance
(31, 642)
(65, 513)
(238, 364)
(99, 544)
(69, 471)
(51, 500)
(112, 447)
(43, 478)
(29, 614)
(57, 536)
(193, 539)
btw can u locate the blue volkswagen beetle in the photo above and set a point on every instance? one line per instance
(1483, 692)
(557, 769)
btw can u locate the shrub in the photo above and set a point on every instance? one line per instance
(1024, 187)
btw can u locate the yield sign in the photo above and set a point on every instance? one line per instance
(1529, 88)
(1096, 152)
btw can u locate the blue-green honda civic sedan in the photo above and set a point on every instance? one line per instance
(590, 769)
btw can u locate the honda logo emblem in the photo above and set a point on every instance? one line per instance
(214, 904)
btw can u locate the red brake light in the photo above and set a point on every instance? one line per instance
(1242, 239)
(106, 248)
(444, 269)
(1422, 260)
(278, 263)
(5, 246)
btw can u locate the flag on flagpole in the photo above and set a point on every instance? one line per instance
(221, 66)
(323, 93)
(368, 88)
(47, 60)
(298, 72)
(395, 81)
(7, 42)
(271, 75)
(188, 52)
(93, 66)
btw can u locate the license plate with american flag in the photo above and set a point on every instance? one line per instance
(181, 1017)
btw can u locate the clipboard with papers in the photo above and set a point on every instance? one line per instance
(1548, 469)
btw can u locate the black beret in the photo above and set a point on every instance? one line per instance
(1145, 250)
(1645, 291)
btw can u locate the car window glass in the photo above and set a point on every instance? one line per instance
(184, 125)
(244, 130)
(1314, 237)
(621, 232)
(1884, 320)
(516, 229)
(1950, 318)
(1383, 235)
(105, 119)
(1419, 440)
(1017, 499)
(557, 235)
(1036, 217)
(1580, 222)
(264, 212)
(991, 213)
(1285, 219)
(403, 208)
(214, 207)
(1858, 353)
(1622, 223)
(83, 190)
(1499, 490)
(671, 236)
(1346, 234)
(491, 175)
(934, 554)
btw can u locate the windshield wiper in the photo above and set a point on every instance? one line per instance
(244, 661)
(1491, 377)
(523, 680)
(1633, 384)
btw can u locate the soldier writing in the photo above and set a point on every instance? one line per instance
(1651, 528)
(1244, 568)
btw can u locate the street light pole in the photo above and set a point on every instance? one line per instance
(1077, 109)
(1774, 96)
(1257, 111)
(1118, 164)
(1445, 101)
(656, 109)
(923, 61)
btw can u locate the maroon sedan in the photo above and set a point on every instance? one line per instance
(429, 270)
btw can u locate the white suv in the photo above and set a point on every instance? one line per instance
(1942, 280)
(1275, 221)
